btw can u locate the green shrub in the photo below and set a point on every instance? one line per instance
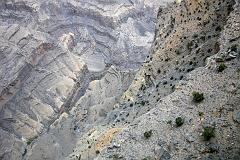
(178, 52)
(30, 140)
(197, 97)
(97, 151)
(117, 156)
(221, 67)
(200, 114)
(208, 133)
(169, 122)
(218, 28)
(189, 45)
(148, 134)
(195, 35)
(142, 103)
(179, 121)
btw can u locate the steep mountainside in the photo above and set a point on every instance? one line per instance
(52, 52)
(190, 35)
(196, 49)
(74, 84)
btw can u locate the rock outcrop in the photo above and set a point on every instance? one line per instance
(196, 50)
(55, 55)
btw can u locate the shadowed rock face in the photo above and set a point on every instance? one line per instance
(50, 51)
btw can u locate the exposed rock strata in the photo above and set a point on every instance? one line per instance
(52, 54)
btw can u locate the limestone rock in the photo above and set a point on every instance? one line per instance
(51, 50)
(84, 79)
(220, 89)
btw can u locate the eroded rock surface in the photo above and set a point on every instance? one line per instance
(196, 48)
(191, 34)
(55, 55)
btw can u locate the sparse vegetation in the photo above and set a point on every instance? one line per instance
(221, 67)
(30, 140)
(178, 52)
(208, 133)
(179, 121)
(116, 157)
(195, 35)
(164, 82)
(189, 45)
(218, 28)
(197, 97)
(97, 151)
(142, 103)
(169, 122)
(148, 134)
(200, 114)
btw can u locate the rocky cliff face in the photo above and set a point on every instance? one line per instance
(69, 89)
(184, 101)
(59, 54)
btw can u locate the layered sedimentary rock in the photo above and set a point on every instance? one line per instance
(37, 77)
(90, 111)
(53, 56)
(103, 32)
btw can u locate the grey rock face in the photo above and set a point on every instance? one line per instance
(219, 109)
(37, 78)
(90, 111)
(101, 32)
(70, 89)
(50, 51)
